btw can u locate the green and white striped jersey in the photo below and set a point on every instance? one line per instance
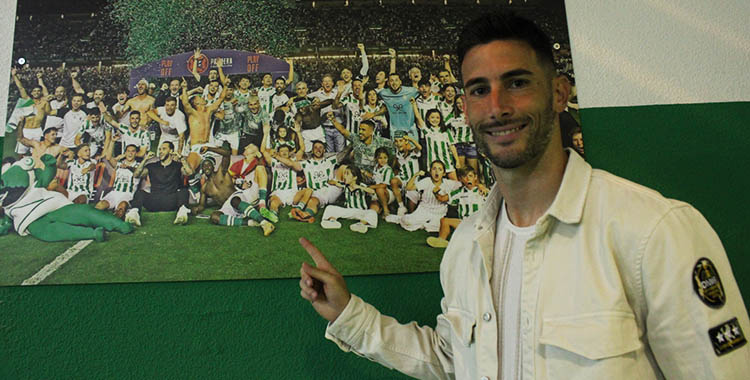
(408, 164)
(438, 147)
(279, 143)
(352, 113)
(318, 172)
(264, 96)
(447, 111)
(77, 181)
(425, 105)
(468, 201)
(356, 198)
(125, 181)
(232, 121)
(488, 176)
(382, 174)
(138, 138)
(284, 177)
(242, 97)
(461, 130)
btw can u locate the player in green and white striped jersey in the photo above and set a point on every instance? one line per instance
(265, 91)
(80, 182)
(124, 183)
(382, 174)
(438, 141)
(469, 198)
(283, 177)
(408, 151)
(230, 123)
(356, 204)
(447, 105)
(350, 99)
(463, 137)
(130, 134)
(427, 99)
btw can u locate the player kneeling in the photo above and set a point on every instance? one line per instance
(468, 198)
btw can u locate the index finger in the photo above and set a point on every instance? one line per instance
(317, 256)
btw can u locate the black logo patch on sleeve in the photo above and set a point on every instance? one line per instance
(727, 337)
(707, 283)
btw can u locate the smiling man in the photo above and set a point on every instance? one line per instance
(567, 272)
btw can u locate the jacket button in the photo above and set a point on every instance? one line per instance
(484, 378)
(487, 317)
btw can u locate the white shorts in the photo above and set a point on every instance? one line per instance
(31, 134)
(327, 194)
(335, 212)
(114, 198)
(413, 196)
(232, 138)
(72, 195)
(249, 195)
(286, 196)
(310, 135)
(197, 150)
(422, 217)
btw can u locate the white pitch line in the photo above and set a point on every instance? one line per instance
(56, 263)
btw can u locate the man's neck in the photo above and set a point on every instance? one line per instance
(167, 161)
(529, 190)
(396, 91)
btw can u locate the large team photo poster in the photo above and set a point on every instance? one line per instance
(151, 140)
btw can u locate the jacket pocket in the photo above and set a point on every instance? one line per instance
(594, 336)
(461, 323)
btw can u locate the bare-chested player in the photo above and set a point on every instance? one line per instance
(143, 102)
(239, 203)
(48, 145)
(307, 112)
(199, 121)
(32, 124)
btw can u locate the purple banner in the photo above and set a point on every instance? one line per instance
(234, 62)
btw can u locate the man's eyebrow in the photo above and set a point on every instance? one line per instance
(506, 75)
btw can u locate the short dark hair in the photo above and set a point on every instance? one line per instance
(169, 143)
(504, 26)
(133, 145)
(48, 130)
(368, 122)
(424, 82)
(170, 99)
(356, 172)
(136, 112)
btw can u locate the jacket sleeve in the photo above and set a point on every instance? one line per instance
(696, 318)
(418, 351)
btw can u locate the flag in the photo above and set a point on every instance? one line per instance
(24, 107)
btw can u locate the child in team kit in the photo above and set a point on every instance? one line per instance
(356, 204)
(382, 174)
(463, 137)
(408, 152)
(80, 182)
(468, 198)
(438, 139)
(432, 206)
(123, 184)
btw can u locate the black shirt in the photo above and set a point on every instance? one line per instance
(165, 179)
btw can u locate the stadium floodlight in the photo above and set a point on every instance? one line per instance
(21, 61)
(556, 46)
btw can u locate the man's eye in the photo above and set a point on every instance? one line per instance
(518, 83)
(479, 91)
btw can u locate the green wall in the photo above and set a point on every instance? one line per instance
(259, 329)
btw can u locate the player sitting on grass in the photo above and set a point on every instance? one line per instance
(468, 198)
(239, 205)
(80, 183)
(408, 151)
(318, 170)
(284, 182)
(355, 195)
(124, 182)
(382, 174)
(434, 192)
(250, 169)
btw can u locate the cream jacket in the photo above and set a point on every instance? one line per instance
(607, 293)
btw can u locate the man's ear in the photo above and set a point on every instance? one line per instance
(560, 92)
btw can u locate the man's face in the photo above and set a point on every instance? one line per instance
(469, 180)
(267, 80)
(301, 89)
(76, 102)
(253, 105)
(327, 83)
(50, 136)
(170, 107)
(164, 151)
(319, 149)
(415, 74)
(279, 85)
(250, 152)
(84, 153)
(346, 75)
(394, 82)
(122, 98)
(356, 88)
(380, 77)
(141, 87)
(198, 101)
(174, 86)
(437, 171)
(60, 93)
(444, 77)
(244, 83)
(213, 87)
(96, 118)
(511, 101)
(130, 152)
(207, 167)
(135, 119)
(450, 94)
(213, 74)
(284, 151)
(98, 96)
(425, 90)
(578, 142)
(36, 93)
(365, 132)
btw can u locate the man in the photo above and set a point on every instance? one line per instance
(239, 204)
(348, 98)
(306, 110)
(427, 99)
(168, 192)
(94, 132)
(38, 108)
(199, 121)
(334, 140)
(59, 100)
(123, 183)
(364, 145)
(172, 91)
(607, 279)
(143, 102)
(130, 134)
(73, 120)
(396, 99)
(172, 123)
(48, 145)
(255, 120)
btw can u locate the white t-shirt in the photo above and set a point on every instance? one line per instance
(176, 122)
